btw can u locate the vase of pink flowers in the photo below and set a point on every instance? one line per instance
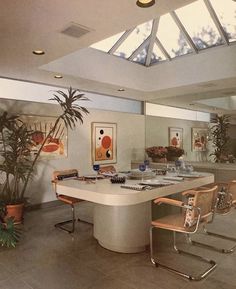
(157, 153)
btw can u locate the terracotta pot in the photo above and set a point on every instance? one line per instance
(15, 211)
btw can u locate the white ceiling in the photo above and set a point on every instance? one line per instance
(27, 25)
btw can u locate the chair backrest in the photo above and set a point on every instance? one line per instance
(232, 189)
(107, 169)
(65, 174)
(205, 199)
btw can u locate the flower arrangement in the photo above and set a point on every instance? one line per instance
(173, 153)
(156, 152)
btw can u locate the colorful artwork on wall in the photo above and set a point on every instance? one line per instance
(56, 145)
(103, 143)
(199, 139)
(176, 137)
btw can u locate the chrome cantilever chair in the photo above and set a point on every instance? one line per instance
(197, 211)
(230, 189)
(60, 176)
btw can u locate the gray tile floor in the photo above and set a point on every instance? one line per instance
(47, 258)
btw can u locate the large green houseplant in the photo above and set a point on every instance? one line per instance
(220, 138)
(16, 162)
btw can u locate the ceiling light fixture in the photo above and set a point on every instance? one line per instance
(145, 3)
(58, 76)
(120, 89)
(38, 52)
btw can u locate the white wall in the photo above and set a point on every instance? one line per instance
(130, 143)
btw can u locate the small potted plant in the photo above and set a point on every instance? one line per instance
(173, 153)
(9, 234)
(16, 160)
(157, 153)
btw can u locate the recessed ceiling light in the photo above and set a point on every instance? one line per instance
(38, 52)
(120, 89)
(145, 3)
(58, 76)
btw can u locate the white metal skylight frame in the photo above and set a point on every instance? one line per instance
(146, 48)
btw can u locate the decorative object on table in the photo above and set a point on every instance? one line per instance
(17, 163)
(136, 187)
(96, 169)
(176, 137)
(118, 180)
(137, 174)
(107, 171)
(146, 162)
(104, 143)
(173, 153)
(56, 144)
(199, 139)
(142, 168)
(157, 153)
(220, 138)
(160, 172)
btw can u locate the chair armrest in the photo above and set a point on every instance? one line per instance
(189, 192)
(169, 202)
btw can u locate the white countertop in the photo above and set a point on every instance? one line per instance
(106, 193)
(209, 165)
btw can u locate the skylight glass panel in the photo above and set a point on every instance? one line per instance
(171, 37)
(226, 12)
(106, 44)
(157, 55)
(199, 24)
(134, 40)
(141, 57)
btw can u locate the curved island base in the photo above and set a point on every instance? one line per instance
(123, 229)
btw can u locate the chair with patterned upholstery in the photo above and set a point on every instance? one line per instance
(62, 176)
(198, 209)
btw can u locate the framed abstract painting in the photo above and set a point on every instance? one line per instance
(176, 137)
(104, 144)
(199, 139)
(56, 145)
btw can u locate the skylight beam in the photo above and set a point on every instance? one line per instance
(120, 41)
(139, 49)
(162, 48)
(216, 21)
(184, 31)
(152, 41)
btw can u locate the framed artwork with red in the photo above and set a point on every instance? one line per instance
(176, 137)
(104, 143)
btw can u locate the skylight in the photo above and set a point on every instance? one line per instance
(171, 37)
(200, 25)
(226, 12)
(134, 40)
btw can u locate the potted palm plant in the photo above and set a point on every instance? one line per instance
(16, 161)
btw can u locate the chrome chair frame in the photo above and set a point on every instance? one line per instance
(157, 263)
(210, 233)
(60, 176)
